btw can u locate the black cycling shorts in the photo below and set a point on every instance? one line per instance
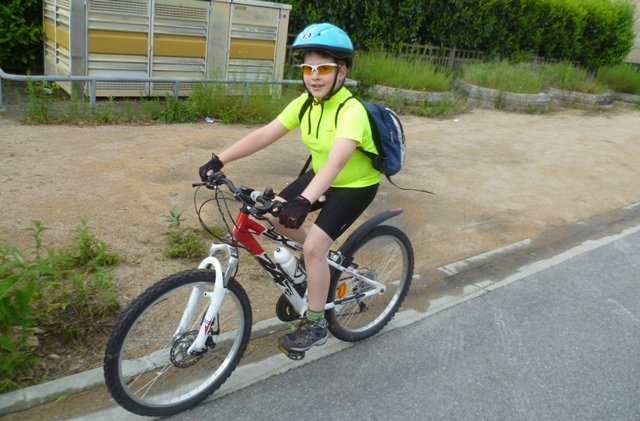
(343, 205)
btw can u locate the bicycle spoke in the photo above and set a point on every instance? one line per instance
(148, 371)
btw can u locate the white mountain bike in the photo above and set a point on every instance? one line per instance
(182, 338)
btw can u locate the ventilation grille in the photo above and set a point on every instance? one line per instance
(181, 12)
(120, 7)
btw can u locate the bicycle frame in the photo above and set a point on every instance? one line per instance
(244, 232)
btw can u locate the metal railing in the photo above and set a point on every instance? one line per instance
(93, 82)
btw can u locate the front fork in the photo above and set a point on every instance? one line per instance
(215, 297)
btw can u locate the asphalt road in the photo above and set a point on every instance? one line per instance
(561, 343)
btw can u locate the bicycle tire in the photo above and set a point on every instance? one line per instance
(138, 367)
(385, 254)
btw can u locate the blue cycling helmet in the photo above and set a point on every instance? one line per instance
(325, 37)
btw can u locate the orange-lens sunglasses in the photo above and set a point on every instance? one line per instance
(323, 69)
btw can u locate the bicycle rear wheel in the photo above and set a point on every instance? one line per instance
(385, 255)
(146, 368)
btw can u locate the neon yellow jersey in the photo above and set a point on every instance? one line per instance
(319, 130)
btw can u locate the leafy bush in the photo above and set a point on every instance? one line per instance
(21, 34)
(593, 32)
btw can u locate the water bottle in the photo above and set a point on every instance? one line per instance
(290, 264)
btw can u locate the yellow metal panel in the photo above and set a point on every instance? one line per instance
(62, 36)
(252, 49)
(49, 30)
(118, 42)
(179, 46)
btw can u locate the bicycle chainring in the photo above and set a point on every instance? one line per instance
(285, 311)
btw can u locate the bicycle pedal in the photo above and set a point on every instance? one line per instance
(294, 355)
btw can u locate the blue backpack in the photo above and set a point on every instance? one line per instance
(388, 137)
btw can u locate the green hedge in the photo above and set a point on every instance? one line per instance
(368, 22)
(592, 32)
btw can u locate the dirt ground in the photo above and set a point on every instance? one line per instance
(498, 177)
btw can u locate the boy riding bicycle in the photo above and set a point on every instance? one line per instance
(339, 173)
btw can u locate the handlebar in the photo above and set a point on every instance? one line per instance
(255, 202)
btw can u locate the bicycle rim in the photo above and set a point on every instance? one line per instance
(147, 370)
(385, 255)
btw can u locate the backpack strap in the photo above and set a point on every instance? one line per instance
(407, 188)
(305, 107)
(303, 110)
(370, 155)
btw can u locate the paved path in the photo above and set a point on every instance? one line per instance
(563, 343)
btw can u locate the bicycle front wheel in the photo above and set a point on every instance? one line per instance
(146, 367)
(384, 255)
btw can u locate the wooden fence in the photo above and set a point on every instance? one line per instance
(449, 57)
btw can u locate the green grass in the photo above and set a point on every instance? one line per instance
(504, 76)
(568, 77)
(531, 78)
(622, 78)
(385, 69)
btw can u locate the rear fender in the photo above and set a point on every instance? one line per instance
(368, 225)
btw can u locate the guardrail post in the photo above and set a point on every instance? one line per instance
(94, 90)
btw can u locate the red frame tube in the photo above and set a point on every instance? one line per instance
(243, 231)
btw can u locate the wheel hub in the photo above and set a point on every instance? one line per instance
(179, 355)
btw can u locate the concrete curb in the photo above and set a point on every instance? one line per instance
(571, 97)
(628, 98)
(493, 98)
(410, 96)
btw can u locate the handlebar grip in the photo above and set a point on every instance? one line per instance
(255, 195)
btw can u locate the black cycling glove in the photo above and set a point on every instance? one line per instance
(293, 213)
(214, 164)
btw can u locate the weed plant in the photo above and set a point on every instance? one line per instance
(58, 296)
(184, 243)
(622, 78)
(386, 69)
(227, 104)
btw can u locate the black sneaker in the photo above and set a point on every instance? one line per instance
(306, 335)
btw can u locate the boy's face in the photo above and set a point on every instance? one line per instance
(319, 79)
